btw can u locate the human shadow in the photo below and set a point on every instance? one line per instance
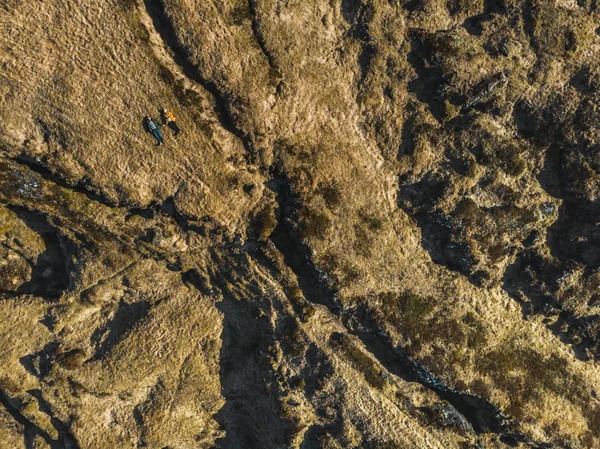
(145, 126)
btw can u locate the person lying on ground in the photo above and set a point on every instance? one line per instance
(169, 119)
(153, 127)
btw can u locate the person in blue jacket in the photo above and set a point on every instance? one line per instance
(154, 129)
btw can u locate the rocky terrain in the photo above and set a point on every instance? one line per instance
(379, 227)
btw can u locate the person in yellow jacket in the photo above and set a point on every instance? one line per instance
(169, 119)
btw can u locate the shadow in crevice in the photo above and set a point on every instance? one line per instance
(441, 238)
(182, 57)
(39, 363)
(197, 280)
(408, 141)
(295, 251)
(32, 432)
(358, 15)
(65, 438)
(317, 371)
(575, 235)
(82, 186)
(251, 415)
(430, 77)
(51, 274)
(474, 24)
(480, 413)
(529, 23)
(365, 58)
(412, 5)
(441, 234)
(350, 10)
(125, 318)
(313, 437)
(257, 29)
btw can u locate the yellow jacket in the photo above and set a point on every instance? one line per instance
(168, 117)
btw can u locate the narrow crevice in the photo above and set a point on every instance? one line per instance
(529, 23)
(82, 186)
(359, 16)
(31, 430)
(295, 252)
(258, 35)
(181, 55)
(65, 440)
(52, 271)
(166, 208)
(204, 227)
(484, 416)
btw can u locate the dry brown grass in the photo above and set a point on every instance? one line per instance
(379, 115)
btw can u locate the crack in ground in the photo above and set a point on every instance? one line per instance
(484, 416)
(166, 208)
(80, 186)
(51, 274)
(162, 24)
(31, 430)
(358, 16)
(259, 36)
(250, 415)
(65, 437)
(529, 23)
(481, 413)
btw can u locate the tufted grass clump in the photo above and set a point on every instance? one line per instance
(331, 194)
(524, 374)
(266, 222)
(373, 222)
(314, 224)
(240, 15)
